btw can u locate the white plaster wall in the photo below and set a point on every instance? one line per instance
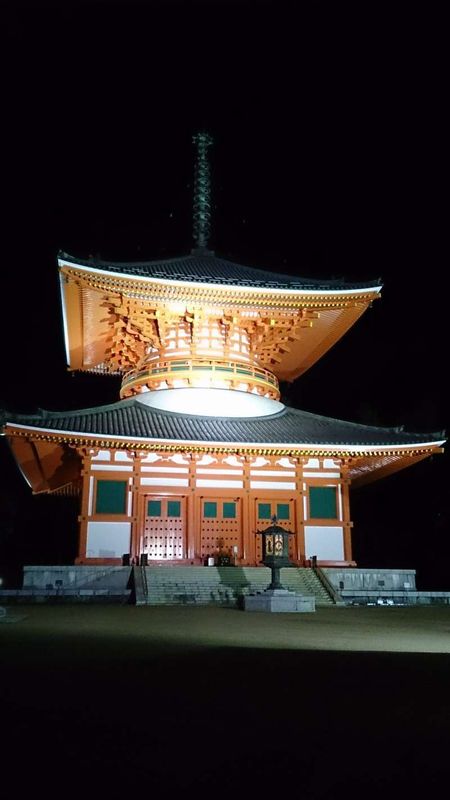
(259, 461)
(178, 458)
(312, 463)
(285, 485)
(330, 463)
(130, 498)
(120, 455)
(91, 495)
(204, 460)
(339, 503)
(108, 539)
(111, 468)
(321, 474)
(274, 473)
(287, 463)
(163, 481)
(205, 483)
(233, 461)
(219, 471)
(102, 455)
(157, 468)
(325, 542)
(150, 458)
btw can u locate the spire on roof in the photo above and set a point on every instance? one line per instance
(202, 193)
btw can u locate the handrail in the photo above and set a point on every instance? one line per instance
(144, 581)
(328, 586)
(238, 368)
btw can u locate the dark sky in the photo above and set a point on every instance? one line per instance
(330, 159)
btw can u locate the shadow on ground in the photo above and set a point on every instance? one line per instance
(87, 712)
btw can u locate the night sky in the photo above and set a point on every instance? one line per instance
(330, 160)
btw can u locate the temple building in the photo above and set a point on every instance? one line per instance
(199, 453)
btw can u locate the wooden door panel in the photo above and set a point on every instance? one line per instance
(221, 526)
(164, 528)
(284, 511)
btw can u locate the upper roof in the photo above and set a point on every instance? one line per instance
(300, 318)
(203, 266)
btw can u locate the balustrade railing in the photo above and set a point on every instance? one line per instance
(186, 368)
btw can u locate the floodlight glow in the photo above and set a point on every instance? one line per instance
(148, 280)
(64, 316)
(211, 402)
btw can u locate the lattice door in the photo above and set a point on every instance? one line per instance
(221, 526)
(284, 510)
(164, 528)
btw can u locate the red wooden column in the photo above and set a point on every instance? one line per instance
(190, 510)
(197, 509)
(345, 485)
(248, 543)
(299, 514)
(137, 521)
(85, 456)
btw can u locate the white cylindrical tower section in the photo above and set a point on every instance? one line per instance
(202, 352)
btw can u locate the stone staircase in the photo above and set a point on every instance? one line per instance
(219, 586)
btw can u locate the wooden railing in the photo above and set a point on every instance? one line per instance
(187, 368)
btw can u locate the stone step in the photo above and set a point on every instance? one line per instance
(223, 585)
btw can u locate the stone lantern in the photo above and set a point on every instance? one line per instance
(275, 547)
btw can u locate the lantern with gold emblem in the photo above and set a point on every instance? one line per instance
(275, 548)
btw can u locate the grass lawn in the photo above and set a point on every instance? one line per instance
(214, 701)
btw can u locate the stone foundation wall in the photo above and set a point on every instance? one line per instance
(79, 577)
(379, 580)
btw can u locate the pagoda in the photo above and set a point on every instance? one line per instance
(199, 453)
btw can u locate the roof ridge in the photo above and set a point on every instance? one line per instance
(290, 426)
(45, 413)
(264, 276)
(392, 428)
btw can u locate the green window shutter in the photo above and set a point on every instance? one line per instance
(322, 502)
(282, 510)
(210, 510)
(154, 508)
(229, 510)
(173, 508)
(111, 497)
(264, 511)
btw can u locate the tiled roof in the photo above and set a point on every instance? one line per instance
(133, 419)
(205, 267)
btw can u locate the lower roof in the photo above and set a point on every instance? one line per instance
(47, 444)
(132, 419)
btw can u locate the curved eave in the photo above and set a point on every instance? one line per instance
(332, 323)
(370, 469)
(47, 464)
(149, 282)
(86, 324)
(72, 314)
(39, 465)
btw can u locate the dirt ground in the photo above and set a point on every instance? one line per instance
(209, 701)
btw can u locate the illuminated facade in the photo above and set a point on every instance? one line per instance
(199, 453)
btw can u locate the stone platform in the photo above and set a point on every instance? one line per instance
(280, 601)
